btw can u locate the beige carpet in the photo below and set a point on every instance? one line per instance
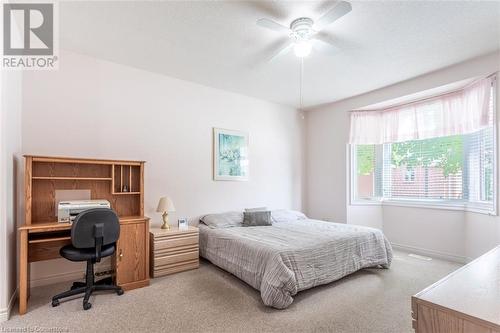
(211, 300)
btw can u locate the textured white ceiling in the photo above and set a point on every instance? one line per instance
(216, 43)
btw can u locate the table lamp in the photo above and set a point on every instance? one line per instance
(165, 206)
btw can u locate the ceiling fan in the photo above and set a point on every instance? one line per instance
(304, 31)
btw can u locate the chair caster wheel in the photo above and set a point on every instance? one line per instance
(55, 303)
(87, 306)
(119, 292)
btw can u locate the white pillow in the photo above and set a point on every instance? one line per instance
(223, 220)
(258, 209)
(284, 215)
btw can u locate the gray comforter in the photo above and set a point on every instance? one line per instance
(287, 257)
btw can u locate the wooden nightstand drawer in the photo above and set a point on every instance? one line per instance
(175, 258)
(175, 268)
(173, 242)
(173, 250)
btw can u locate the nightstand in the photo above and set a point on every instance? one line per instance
(173, 250)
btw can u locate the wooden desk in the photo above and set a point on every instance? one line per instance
(120, 182)
(43, 241)
(466, 301)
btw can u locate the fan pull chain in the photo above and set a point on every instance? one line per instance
(301, 83)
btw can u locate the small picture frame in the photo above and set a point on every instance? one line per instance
(182, 223)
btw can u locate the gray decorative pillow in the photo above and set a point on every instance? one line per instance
(254, 219)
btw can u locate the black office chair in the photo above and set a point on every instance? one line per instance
(93, 236)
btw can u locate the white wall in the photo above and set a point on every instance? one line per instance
(10, 181)
(10, 166)
(325, 165)
(436, 232)
(366, 215)
(456, 235)
(95, 108)
(482, 232)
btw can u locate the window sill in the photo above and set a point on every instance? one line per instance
(366, 202)
(426, 205)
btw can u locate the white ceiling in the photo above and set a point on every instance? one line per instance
(216, 43)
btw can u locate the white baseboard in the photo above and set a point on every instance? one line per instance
(5, 313)
(56, 278)
(432, 253)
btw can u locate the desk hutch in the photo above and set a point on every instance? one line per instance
(41, 236)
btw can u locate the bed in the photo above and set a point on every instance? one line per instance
(293, 254)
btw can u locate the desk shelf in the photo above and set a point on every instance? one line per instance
(125, 176)
(50, 239)
(72, 178)
(70, 170)
(50, 236)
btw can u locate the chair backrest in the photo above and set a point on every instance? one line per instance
(94, 228)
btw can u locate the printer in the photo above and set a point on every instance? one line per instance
(68, 210)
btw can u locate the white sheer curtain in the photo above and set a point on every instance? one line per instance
(460, 112)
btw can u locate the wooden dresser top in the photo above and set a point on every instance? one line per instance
(158, 232)
(473, 290)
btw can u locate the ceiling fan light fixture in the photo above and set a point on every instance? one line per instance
(303, 31)
(302, 48)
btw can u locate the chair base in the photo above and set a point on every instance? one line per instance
(88, 287)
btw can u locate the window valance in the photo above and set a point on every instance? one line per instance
(460, 112)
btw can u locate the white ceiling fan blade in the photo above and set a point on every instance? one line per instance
(270, 24)
(325, 46)
(283, 51)
(340, 9)
(327, 38)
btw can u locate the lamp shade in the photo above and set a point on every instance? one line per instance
(165, 205)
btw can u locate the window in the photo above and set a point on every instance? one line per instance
(454, 171)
